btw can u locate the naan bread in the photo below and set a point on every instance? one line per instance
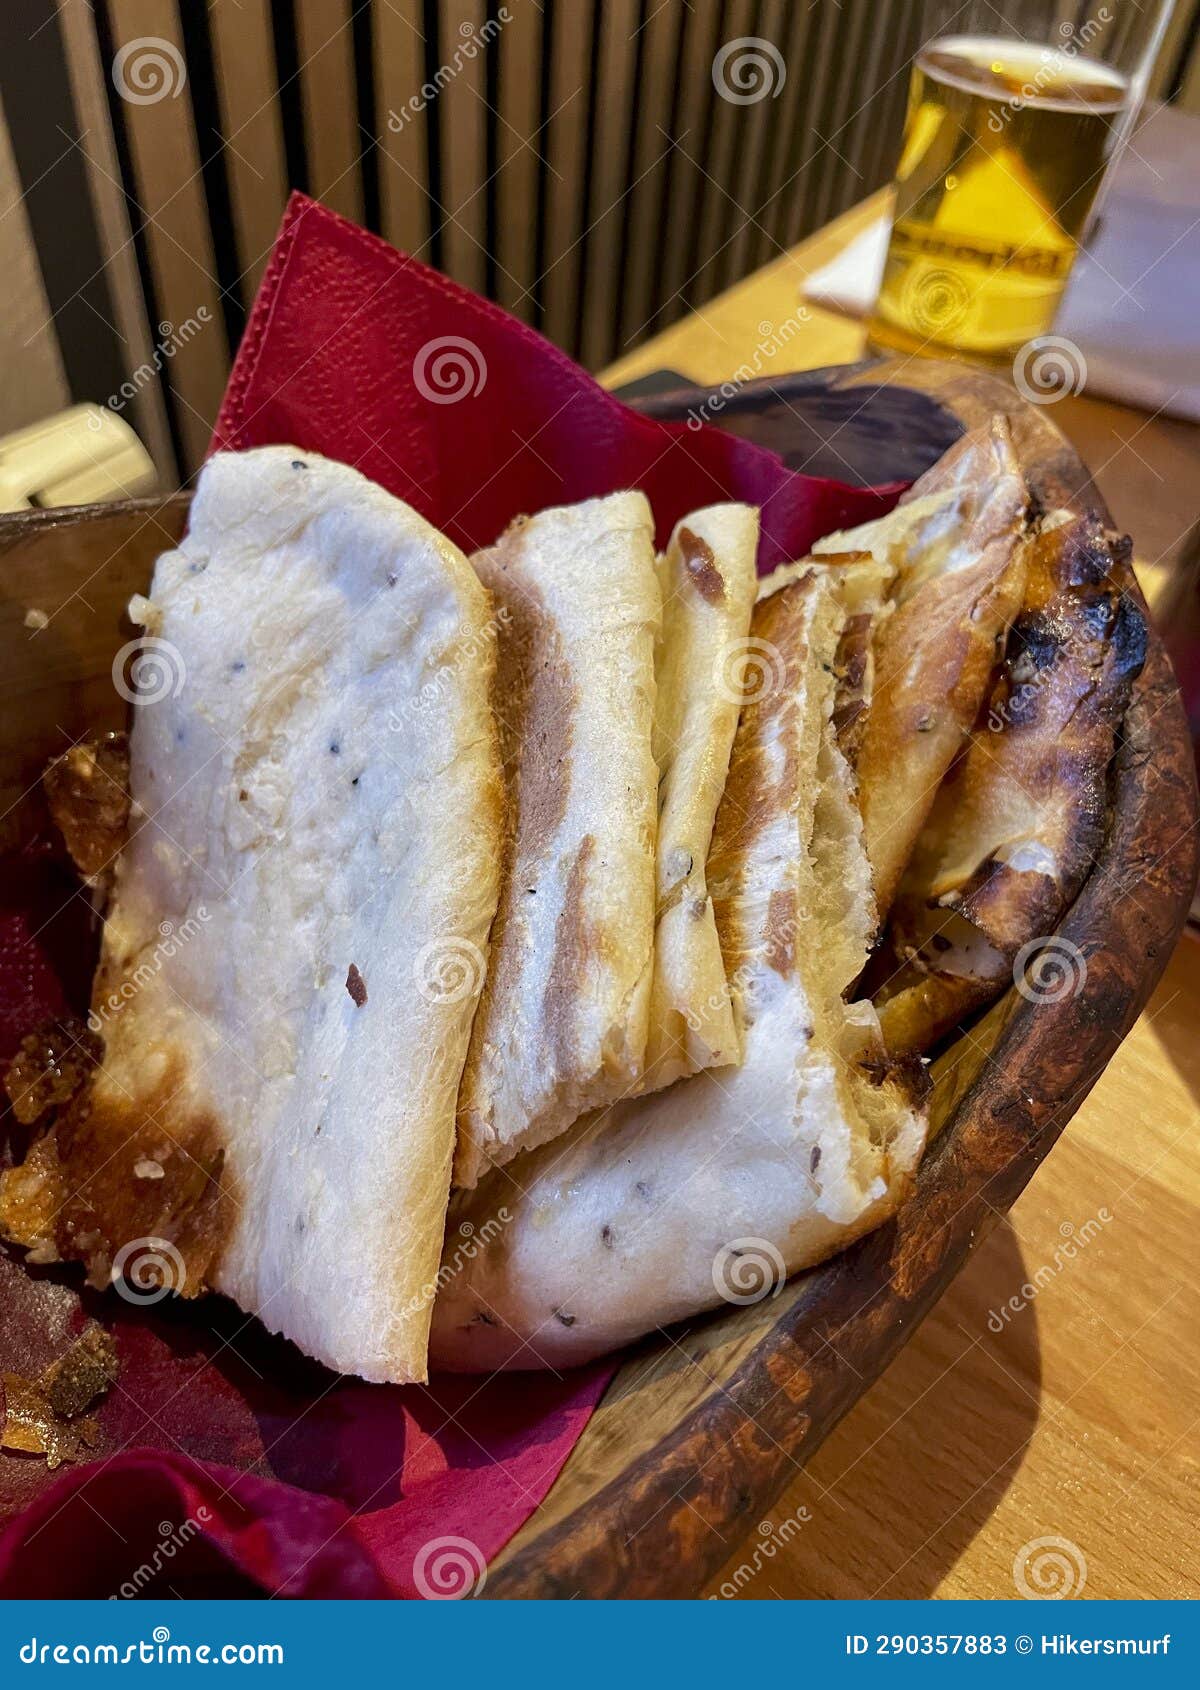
(295, 942)
(562, 1024)
(1021, 816)
(865, 583)
(956, 541)
(704, 664)
(662, 1206)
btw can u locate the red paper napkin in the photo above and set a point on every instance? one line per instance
(357, 351)
(228, 1463)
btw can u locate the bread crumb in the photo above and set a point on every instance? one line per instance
(144, 613)
(37, 620)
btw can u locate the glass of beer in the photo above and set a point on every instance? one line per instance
(1016, 109)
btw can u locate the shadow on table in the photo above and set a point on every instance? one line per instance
(1173, 1009)
(915, 1471)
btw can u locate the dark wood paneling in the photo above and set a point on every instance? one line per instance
(579, 164)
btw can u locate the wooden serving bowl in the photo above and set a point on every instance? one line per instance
(703, 1431)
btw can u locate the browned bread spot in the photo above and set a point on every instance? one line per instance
(700, 565)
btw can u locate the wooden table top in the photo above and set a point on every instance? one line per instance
(1074, 1414)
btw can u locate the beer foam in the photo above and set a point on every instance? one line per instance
(1022, 72)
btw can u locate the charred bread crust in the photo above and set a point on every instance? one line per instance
(1019, 820)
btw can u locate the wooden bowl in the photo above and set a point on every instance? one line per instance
(703, 1431)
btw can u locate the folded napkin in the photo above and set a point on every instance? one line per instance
(227, 1463)
(1129, 307)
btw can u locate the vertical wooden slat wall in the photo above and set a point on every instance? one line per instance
(690, 128)
(88, 76)
(770, 232)
(170, 210)
(721, 217)
(632, 284)
(752, 157)
(325, 48)
(612, 152)
(251, 131)
(34, 379)
(566, 152)
(519, 152)
(402, 123)
(462, 128)
(575, 159)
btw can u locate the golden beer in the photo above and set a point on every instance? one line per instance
(1005, 145)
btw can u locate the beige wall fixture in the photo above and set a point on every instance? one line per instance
(83, 456)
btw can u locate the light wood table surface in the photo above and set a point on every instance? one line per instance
(1076, 1416)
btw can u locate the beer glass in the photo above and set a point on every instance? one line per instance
(1016, 109)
